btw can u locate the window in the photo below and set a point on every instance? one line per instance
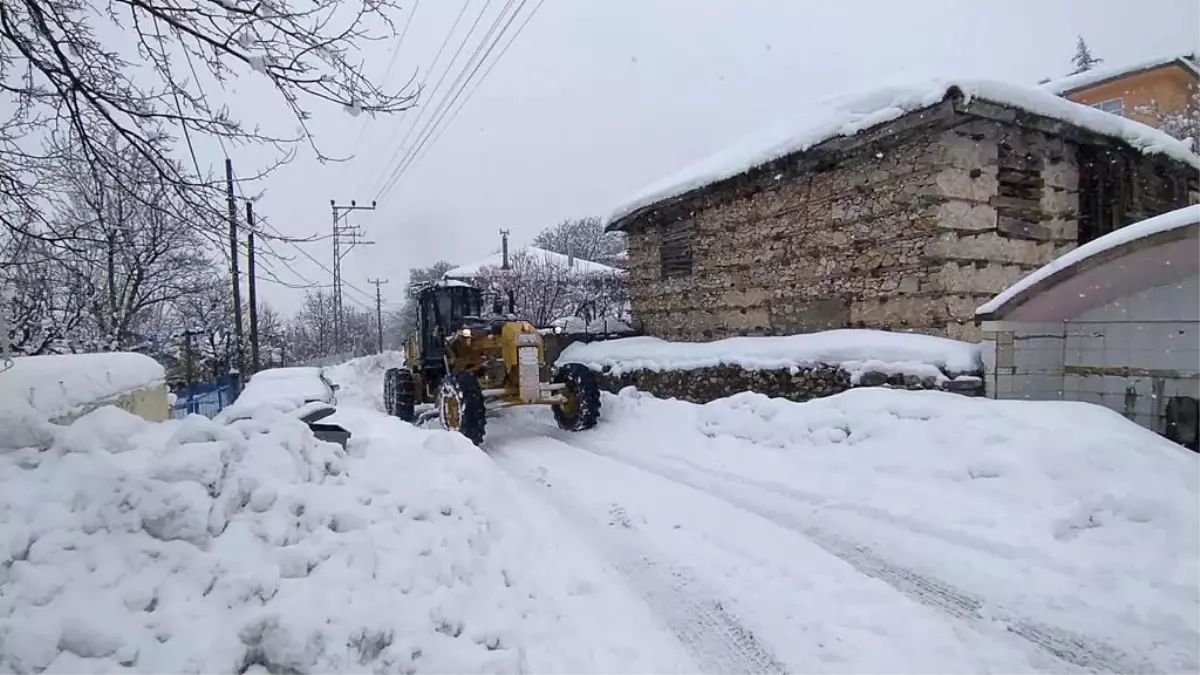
(675, 250)
(1114, 106)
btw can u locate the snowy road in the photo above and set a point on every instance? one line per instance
(697, 524)
(721, 568)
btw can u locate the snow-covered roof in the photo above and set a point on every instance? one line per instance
(848, 114)
(60, 385)
(1090, 78)
(495, 260)
(1173, 220)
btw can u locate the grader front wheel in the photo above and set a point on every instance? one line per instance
(581, 409)
(461, 407)
(398, 393)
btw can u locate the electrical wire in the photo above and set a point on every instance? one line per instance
(432, 66)
(481, 79)
(436, 88)
(440, 115)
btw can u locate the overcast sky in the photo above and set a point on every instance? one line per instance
(598, 98)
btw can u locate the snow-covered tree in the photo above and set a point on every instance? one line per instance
(1083, 58)
(75, 73)
(583, 238)
(544, 290)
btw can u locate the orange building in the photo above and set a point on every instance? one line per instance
(1146, 91)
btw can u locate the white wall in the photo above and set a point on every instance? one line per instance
(1130, 355)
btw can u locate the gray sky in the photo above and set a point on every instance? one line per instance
(598, 98)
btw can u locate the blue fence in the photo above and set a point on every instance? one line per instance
(206, 398)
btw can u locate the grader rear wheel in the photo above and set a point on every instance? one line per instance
(581, 408)
(461, 406)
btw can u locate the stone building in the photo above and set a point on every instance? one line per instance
(1115, 322)
(901, 209)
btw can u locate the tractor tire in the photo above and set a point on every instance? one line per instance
(461, 407)
(398, 394)
(581, 411)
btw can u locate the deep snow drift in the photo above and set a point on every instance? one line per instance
(189, 546)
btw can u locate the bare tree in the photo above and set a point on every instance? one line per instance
(75, 73)
(1182, 123)
(543, 289)
(209, 312)
(583, 238)
(133, 255)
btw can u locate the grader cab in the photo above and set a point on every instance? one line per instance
(459, 365)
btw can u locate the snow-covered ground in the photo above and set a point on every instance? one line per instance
(874, 531)
(1060, 524)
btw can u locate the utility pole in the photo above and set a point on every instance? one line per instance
(8, 293)
(253, 290)
(345, 238)
(504, 249)
(239, 351)
(378, 312)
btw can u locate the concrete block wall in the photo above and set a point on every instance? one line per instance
(1132, 355)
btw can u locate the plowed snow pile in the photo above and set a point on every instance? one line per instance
(188, 546)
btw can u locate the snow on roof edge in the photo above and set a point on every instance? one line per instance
(1171, 220)
(1090, 78)
(582, 265)
(851, 113)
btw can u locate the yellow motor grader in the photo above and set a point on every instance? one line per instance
(460, 365)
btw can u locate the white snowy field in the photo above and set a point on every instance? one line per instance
(874, 531)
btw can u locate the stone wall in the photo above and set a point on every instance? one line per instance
(702, 385)
(908, 227)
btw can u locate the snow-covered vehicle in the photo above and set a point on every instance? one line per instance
(301, 392)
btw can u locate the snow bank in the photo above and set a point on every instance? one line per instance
(1173, 220)
(60, 385)
(360, 381)
(848, 114)
(277, 391)
(1064, 512)
(854, 350)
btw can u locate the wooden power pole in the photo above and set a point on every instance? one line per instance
(239, 351)
(378, 312)
(254, 362)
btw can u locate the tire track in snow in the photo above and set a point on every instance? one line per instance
(711, 634)
(1066, 645)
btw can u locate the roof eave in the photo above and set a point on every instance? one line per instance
(1182, 62)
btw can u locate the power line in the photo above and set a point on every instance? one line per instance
(432, 126)
(432, 66)
(436, 87)
(483, 77)
(450, 97)
(391, 63)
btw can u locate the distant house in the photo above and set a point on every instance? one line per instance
(1114, 322)
(1146, 91)
(901, 208)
